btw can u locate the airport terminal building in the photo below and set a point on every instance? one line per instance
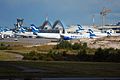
(111, 29)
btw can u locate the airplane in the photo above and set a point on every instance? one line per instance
(84, 33)
(73, 36)
(6, 33)
(24, 33)
(89, 30)
(60, 35)
(99, 34)
(49, 35)
(64, 36)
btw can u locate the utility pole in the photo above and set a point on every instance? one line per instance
(103, 13)
(93, 19)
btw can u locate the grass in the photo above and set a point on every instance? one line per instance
(63, 69)
(6, 56)
(55, 68)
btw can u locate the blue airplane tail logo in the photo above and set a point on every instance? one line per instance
(22, 30)
(34, 29)
(79, 28)
(6, 29)
(91, 33)
(108, 34)
(1, 30)
(90, 30)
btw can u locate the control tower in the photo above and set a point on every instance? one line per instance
(19, 23)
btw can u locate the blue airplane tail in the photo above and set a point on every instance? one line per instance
(6, 29)
(90, 30)
(22, 30)
(34, 28)
(108, 34)
(1, 30)
(92, 35)
(79, 28)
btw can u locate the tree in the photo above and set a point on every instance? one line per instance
(64, 45)
(84, 45)
(82, 54)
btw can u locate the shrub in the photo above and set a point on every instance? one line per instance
(76, 46)
(82, 54)
(64, 45)
(104, 55)
(3, 46)
(33, 55)
(109, 55)
(84, 45)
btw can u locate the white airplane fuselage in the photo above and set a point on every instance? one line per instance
(27, 34)
(49, 35)
(101, 34)
(74, 36)
(7, 33)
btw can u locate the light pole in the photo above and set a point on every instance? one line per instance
(103, 13)
(93, 19)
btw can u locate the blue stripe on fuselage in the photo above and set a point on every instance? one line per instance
(67, 38)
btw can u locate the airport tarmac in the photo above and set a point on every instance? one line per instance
(29, 41)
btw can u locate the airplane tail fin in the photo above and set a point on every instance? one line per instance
(92, 35)
(21, 29)
(6, 29)
(34, 28)
(79, 28)
(108, 34)
(90, 30)
(1, 30)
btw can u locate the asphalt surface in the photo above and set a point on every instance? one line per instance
(32, 41)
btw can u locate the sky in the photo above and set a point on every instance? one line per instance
(68, 11)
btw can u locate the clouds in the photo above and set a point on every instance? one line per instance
(69, 11)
